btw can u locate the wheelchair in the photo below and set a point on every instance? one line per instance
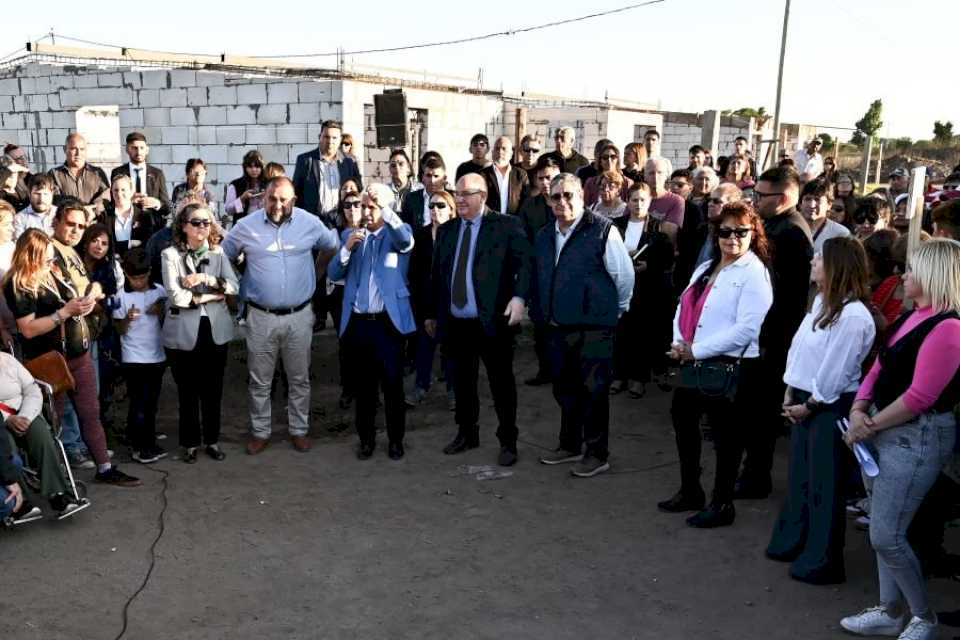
(30, 477)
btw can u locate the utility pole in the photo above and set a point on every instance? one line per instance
(776, 109)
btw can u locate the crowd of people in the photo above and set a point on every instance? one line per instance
(769, 301)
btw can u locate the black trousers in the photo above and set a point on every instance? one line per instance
(766, 421)
(582, 368)
(376, 348)
(199, 377)
(468, 344)
(810, 529)
(143, 390)
(541, 346)
(728, 420)
(335, 302)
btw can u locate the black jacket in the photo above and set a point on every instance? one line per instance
(412, 210)
(652, 285)
(569, 165)
(518, 186)
(535, 213)
(144, 227)
(502, 269)
(156, 187)
(418, 272)
(791, 246)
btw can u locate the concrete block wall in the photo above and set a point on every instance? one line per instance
(683, 130)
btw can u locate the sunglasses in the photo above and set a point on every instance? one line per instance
(199, 223)
(75, 225)
(716, 201)
(437, 205)
(529, 150)
(609, 156)
(566, 195)
(866, 219)
(740, 232)
(351, 204)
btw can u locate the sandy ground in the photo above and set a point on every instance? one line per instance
(320, 545)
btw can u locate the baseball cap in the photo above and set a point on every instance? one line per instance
(899, 172)
(11, 165)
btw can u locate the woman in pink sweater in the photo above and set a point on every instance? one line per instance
(904, 407)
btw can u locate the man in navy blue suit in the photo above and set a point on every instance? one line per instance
(319, 173)
(373, 259)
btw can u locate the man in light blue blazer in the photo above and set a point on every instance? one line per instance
(373, 261)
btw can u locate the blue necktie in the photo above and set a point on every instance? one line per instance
(367, 256)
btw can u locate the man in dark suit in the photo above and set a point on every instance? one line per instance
(319, 173)
(373, 259)
(507, 186)
(433, 176)
(775, 197)
(149, 183)
(536, 213)
(481, 279)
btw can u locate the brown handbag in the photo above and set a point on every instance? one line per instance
(52, 368)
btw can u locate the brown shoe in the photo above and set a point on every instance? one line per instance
(301, 443)
(256, 445)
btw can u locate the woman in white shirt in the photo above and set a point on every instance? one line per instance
(718, 321)
(822, 376)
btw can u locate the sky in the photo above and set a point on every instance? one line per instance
(683, 55)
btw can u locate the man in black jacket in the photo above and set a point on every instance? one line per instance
(149, 183)
(481, 280)
(565, 156)
(776, 196)
(507, 185)
(433, 176)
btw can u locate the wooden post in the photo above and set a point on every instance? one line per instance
(915, 208)
(521, 130)
(865, 166)
(879, 161)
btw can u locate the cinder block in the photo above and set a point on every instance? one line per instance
(297, 149)
(241, 114)
(61, 82)
(174, 135)
(157, 117)
(28, 85)
(43, 84)
(20, 103)
(161, 154)
(86, 81)
(148, 98)
(183, 116)
(155, 79)
(9, 87)
(214, 154)
(331, 111)
(212, 115)
(230, 135)
(131, 117)
(54, 100)
(235, 155)
(272, 114)
(252, 94)
(282, 93)
(182, 153)
(46, 119)
(305, 113)
(271, 153)
(203, 135)
(173, 98)
(209, 79)
(314, 92)
(37, 103)
(132, 79)
(292, 134)
(85, 97)
(261, 134)
(110, 80)
(222, 95)
(183, 78)
(13, 121)
(197, 97)
(6, 103)
(66, 119)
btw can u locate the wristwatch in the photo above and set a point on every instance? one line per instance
(57, 320)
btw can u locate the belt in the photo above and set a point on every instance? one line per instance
(280, 311)
(368, 316)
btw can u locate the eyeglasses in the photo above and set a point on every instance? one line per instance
(437, 205)
(199, 223)
(740, 232)
(467, 194)
(529, 150)
(566, 195)
(760, 195)
(75, 225)
(351, 204)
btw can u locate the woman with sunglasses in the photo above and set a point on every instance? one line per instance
(442, 209)
(718, 320)
(844, 199)
(245, 194)
(822, 375)
(610, 205)
(197, 327)
(871, 214)
(609, 161)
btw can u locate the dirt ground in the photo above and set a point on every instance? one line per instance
(321, 545)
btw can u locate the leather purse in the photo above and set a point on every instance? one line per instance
(52, 368)
(713, 377)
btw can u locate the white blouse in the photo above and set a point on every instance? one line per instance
(826, 362)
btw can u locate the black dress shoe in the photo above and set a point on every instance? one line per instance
(821, 577)
(215, 453)
(366, 450)
(507, 457)
(395, 450)
(716, 515)
(538, 380)
(461, 444)
(190, 455)
(683, 502)
(752, 490)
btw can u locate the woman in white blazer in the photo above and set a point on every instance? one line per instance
(719, 318)
(197, 326)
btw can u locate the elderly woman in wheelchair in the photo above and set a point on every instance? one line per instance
(21, 405)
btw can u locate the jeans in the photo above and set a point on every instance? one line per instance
(426, 346)
(910, 457)
(6, 508)
(70, 429)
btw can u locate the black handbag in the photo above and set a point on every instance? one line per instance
(716, 377)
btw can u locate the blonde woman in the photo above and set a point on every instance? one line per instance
(904, 407)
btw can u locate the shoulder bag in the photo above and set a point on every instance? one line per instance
(716, 377)
(52, 368)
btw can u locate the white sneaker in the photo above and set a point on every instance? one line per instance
(919, 629)
(873, 622)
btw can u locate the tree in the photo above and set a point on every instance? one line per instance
(858, 138)
(869, 124)
(827, 141)
(760, 114)
(902, 144)
(942, 132)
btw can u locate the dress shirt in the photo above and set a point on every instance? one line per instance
(329, 196)
(280, 271)
(28, 219)
(470, 309)
(427, 218)
(826, 362)
(368, 298)
(616, 259)
(503, 184)
(830, 229)
(734, 310)
(123, 228)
